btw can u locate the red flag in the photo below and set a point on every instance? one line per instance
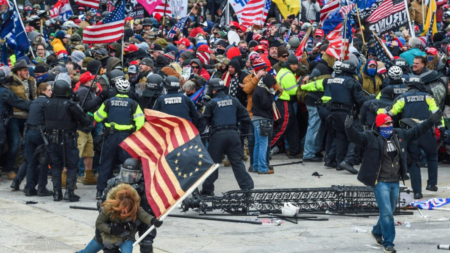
(302, 46)
(173, 158)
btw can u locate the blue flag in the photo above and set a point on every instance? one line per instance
(14, 33)
(179, 26)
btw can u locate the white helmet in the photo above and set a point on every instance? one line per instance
(122, 85)
(337, 67)
(395, 73)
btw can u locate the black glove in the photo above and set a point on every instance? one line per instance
(117, 229)
(436, 117)
(348, 121)
(444, 134)
(155, 222)
(103, 95)
(372, 96)
(374, 108)
(131, 226)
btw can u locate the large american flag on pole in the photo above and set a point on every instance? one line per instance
(174, 159)
(251, 12)
(328, 9)
(89, 3)
(111, 29)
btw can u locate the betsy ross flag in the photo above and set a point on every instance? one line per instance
(174, 159)
(251, 12)
(179, 26)
(382, 52)
(111, 29)
(89, 3)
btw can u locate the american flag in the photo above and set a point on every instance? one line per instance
(384, 9)
(111, 29)
(160, 9)
(338, 46)
(302, 46)
(179, 26)
(382, 52)
(328, 9)
(89, 3)
(251, 12)
(174, 159)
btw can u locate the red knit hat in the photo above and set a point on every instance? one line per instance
(233, 52)
(258, 63)
(382, 118)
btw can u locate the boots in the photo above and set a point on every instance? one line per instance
(227, 163)
(70, 196)
(43, 192)
(245, 157)
(57, 195)
(15, 185)
(89, 178)
(70, 189)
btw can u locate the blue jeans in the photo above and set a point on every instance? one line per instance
(386, 195)
(314, 134)
(260, 149)
(94, 246)
(13, 132)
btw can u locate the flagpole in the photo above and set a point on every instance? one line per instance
(344, 35)
(187, 194)
(227, 13)
(409, 20)
(23, 27)
(360, 24)
(164, 14)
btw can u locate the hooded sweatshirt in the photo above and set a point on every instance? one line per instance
(201, 72)
(371, 84)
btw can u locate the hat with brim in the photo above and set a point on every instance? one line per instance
(21, 64)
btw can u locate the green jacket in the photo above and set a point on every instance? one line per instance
(288, 84)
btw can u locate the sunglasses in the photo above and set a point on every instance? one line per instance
(260, 52)
(195, 67)
(284, 56)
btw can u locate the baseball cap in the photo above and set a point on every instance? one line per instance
(319, 32)
(131, 48)
(156, 47)
(184, 41)
(204, 48)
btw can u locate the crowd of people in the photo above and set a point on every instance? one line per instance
(66, 106)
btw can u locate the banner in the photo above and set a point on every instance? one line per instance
(179, 8)
(134, 9)
(150, 5)
(383, 16)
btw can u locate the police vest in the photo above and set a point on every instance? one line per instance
(57, 115)
(224, 112)
(399, 89)
(415, 105)
(175, 104)
(121, 111)
(340, 89)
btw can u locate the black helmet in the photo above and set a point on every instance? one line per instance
(348, 67)
(414, 81)
(147, 21)
(61, 88)
(2, 77)
(115, 73)
(171, 83)
(217, 84)
(154, 82)
(130, 171)
(403, 64)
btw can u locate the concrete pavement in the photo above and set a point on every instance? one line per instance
(49, 226)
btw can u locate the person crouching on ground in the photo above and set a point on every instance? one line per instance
(118, 221)
(384, 165)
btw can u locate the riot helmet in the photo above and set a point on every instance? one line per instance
(154, 82)
(171, 83)
(113, 75)
(217, 84)
(403, 64)
(61, 88)
(395, 73)
(348, 67)
(130, 171)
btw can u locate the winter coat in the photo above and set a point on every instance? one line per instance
(58, 45)
(371, 84)
(373, 144)
(311, 9)
(411, 53)
(104, 220)
(416, 14)
(250, 83)
(25, 90)
(202, 72)
(262, 103)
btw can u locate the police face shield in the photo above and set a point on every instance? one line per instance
(130, 176)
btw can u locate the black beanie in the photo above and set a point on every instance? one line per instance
(93, 66)
(40, 69)
(438, 37)
(252, 43)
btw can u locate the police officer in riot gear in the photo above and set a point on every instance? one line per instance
(122, 116)
(114, 75)
(222, 115)
(344, 96)
(153, 89)
(8, 100)
(175, 103)
(404, 65)
(131, 173)
(395, 79)
(62, 117)
(416, 105)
